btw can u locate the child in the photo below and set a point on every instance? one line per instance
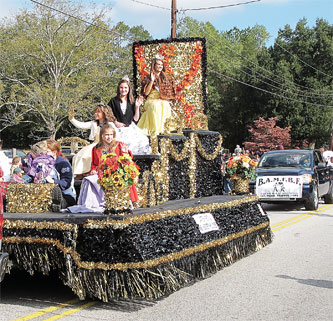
(39, 164)
(16, 177)
(16, 163)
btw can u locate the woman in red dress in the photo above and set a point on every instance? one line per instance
(108, 144)
(91, 198)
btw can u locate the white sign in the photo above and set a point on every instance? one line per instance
(279, 187)
(206, 222)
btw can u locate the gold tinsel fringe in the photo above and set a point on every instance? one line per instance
(151, 282)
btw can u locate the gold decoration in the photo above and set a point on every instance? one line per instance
(29, 198)
(240, 186)
(117, 199)
(134, 265)
(120, 224)
(160, 168)
(20, 224)
(64, 140)
(183, 62)
(154, 144)
(192, 165)
(184, 153)
(164, 168)
(200, 121)
(202, 151)
(74, 143)
(152, 199)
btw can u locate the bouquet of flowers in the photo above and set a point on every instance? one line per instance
(241, 166)
(117, 171)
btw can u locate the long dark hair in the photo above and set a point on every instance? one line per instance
(101, 133)
(162, 75)
(130, 96)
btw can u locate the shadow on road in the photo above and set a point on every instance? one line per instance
(40, 291)
(287, 206)
(326, 284)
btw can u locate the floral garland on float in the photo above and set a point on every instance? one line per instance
(185, 60)
(116, 174)
(241, 169)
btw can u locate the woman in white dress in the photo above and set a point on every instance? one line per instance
(126, 111)
(81, 161)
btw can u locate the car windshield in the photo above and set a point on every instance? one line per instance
(285, 160)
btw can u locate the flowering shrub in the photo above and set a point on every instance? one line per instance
(241, 166)
(117, 171)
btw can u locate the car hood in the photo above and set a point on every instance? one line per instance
(282, 171)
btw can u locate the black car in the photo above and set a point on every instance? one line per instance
(294, 175)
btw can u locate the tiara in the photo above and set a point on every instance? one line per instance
(125, 78)
(159, 57)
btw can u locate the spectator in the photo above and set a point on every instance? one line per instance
(16, 163)
(16, 177)
(237, 150)
(327, 155)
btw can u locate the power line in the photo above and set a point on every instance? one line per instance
(219, 7)
(151, 5)
(269, 84)
(264, 90)
(84, 21)
(282, 78)
(130, 38)
(322, 92)
(290, 53)
(302, 92)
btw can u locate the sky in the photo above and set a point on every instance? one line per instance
(272, 14)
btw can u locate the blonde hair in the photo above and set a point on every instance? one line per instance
(103, 130)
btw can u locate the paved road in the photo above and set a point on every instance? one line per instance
(291, 279)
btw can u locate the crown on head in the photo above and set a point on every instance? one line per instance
(125, 78)
(159, 57)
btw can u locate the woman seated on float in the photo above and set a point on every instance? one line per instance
(127, 112)
(81, 161)
(91, 198)
(62, 175)
(158, 88)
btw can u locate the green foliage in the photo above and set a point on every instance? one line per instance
(50, 62)
(304, 57)
(230, 106)
(247, 81)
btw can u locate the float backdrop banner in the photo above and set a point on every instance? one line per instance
(185, 60)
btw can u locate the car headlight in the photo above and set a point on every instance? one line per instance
(307, 178)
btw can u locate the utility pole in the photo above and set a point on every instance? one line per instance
(173, 19)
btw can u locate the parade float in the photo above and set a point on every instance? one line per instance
(182, 229)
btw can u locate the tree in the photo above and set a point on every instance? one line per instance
(302, 58)
(50, 62)
(265, 135)
(231, 105)
(290, 80)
